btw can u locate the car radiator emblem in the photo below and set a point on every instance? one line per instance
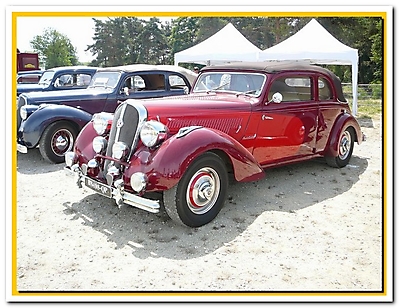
(119, 124)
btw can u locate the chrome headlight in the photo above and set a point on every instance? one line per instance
(100, 122)
(138, 181)
(119, 150)
(99, 144)
(152, 133)
(23, 113)
(70, 158)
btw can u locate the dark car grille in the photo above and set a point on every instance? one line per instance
(126, 124)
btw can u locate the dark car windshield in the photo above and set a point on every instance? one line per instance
(46, 78)
(249, 83)
(105, 80)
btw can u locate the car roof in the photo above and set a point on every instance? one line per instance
(269, 67)
(191, 76)
(73, 68)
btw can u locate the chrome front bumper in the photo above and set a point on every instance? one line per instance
(21, 148)
(118, 192)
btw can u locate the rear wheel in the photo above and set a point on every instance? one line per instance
(57, 139)
(345, 149)
(199, 196)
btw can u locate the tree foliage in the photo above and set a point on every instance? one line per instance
(129, 40)
(56, 48)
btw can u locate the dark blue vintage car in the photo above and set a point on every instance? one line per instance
(52, 120)
(60, 78)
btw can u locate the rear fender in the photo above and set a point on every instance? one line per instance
(344, 121)
(34, 126)
(171, 160)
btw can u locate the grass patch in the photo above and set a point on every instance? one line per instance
(369, 108)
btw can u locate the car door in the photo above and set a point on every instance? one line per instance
(287, 129)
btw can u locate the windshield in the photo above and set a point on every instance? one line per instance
(105, 79)
(46, 78)
(248, 83)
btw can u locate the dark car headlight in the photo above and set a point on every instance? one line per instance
(153, 133)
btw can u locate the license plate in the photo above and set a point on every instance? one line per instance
(99, 187)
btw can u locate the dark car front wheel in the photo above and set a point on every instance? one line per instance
(345, 149)
(57, 139)
(200, 194)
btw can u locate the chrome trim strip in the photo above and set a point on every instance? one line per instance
(118, 128)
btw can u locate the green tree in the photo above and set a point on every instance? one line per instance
(153, 47)
(56, 48)
(183, 34)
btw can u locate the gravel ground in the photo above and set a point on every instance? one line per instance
(305, 227)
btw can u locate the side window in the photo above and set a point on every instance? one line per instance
(293, 89)
(325, 92)
(156, 82)
(83, 80)
(134, 83)
(177, 84)
(65, 80)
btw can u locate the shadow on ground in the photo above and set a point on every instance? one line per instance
(285, 189)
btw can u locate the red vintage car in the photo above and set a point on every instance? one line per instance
(238, 120)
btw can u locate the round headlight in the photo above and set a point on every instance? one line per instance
(138, 181)
(152, 133)
(23, 113)
(100, 123)
(119, 150)
(99, 144)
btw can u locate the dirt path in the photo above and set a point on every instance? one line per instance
(305, 227)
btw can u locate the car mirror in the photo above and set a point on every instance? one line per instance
(276, 98)
(186, 90)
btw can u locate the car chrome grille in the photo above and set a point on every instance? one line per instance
(126, 125)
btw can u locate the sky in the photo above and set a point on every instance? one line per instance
(80, 31)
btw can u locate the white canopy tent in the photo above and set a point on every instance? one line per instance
(226, 45)
(314, 44)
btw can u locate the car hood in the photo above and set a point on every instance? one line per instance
(29, 87)
(51, 97)
(225, 112)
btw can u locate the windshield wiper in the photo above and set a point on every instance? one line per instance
(246, 92)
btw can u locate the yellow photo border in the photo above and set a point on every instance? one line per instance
(251, 13)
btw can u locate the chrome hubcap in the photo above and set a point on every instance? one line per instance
(203, 190)
(62, 142)
(345, 145)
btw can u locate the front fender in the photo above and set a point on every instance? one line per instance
(166, 165)
(33, 127)
(344, 121)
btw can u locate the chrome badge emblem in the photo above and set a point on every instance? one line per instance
(119, 124)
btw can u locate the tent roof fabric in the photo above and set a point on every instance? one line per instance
(227, 45)
(314, 43)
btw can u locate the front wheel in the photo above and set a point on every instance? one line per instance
(57, 139)
(345, 149)
(200, 194)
